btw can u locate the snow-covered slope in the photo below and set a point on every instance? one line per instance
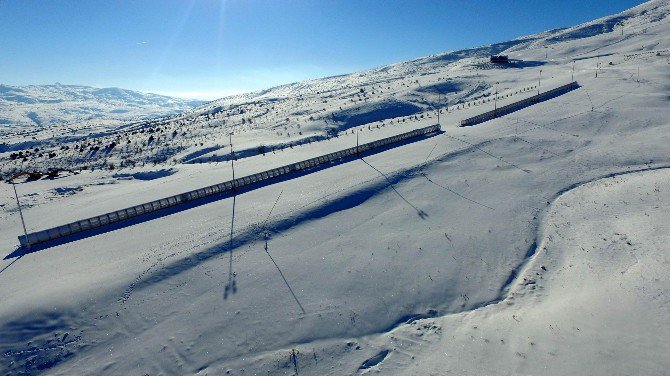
(312, 110)
(535, 243)
(47, 105)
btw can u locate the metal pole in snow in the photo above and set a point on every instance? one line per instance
(231, 281)
(357, 142)
(23, 222)
(539, 82)
(573, 72)
(232, 158)
(439, 100)
(495, 102)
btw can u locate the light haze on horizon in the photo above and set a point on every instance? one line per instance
(207, 49)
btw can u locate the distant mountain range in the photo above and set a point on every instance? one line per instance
(46, 105)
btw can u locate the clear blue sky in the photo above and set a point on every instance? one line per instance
(209, 48)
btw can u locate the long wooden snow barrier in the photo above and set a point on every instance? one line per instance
(504, 110)
(108, 219)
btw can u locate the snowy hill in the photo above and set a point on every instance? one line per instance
(534, 243)
(312, 110)
(47, 105)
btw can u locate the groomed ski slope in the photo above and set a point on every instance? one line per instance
(535, 243)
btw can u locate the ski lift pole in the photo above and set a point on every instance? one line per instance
(23, 222)
(495, 102)
(357, 142)
(232, 158)
(439, 101)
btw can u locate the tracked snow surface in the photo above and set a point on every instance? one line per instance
(533, 244)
